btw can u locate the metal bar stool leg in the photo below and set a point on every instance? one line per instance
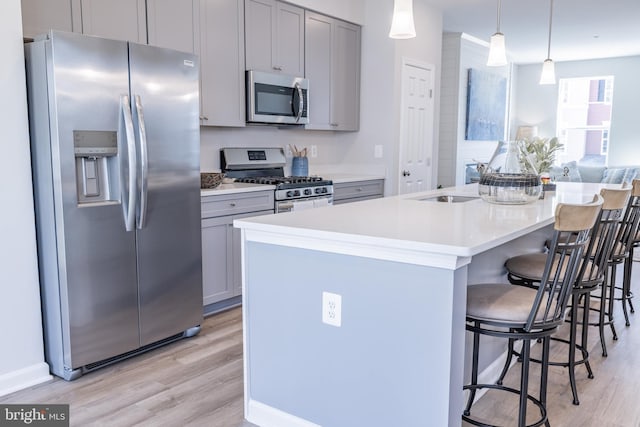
(603, 305)
(474, 372)
(507, 362)
(572, 349)
(585, 333)
(544, 374)
(524, 382)
(611, 300)
(628, 279)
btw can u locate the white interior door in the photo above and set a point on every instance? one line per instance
(416, 127)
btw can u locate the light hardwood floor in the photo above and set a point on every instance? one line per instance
(198, 382)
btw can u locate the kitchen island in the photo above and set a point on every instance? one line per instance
(354, 314)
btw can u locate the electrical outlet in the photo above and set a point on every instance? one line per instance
(314, 151)
(377, 151)
(332, 309)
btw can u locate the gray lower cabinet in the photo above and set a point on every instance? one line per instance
(221, 267)
(347, 192)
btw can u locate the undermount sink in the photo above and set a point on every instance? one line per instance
(449, 198)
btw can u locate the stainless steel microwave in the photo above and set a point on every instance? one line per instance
(277, 98)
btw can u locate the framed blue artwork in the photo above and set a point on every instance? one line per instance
(486, 106)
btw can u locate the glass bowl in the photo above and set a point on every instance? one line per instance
(510, 188)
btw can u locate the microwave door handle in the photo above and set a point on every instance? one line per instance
(144, 163)
(300, 101)
(127, 183)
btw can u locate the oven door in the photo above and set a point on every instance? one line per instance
(276, 98)
(302, 204)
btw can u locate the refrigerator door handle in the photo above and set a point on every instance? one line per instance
(128, 193)
(144, 163)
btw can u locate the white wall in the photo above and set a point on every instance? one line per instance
(22, 356)
(460, 53)
(536, 104)
(379, 102)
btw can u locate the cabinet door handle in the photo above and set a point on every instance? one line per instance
(232, 204)
(277, 68)
(335, 125)
(359, 189)
(406, 173)
(204, 118)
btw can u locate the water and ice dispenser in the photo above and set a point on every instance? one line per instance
(96, 166)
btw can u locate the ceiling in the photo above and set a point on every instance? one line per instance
(582, 29)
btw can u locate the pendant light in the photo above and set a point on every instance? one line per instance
(402, 26)
(548, 76)
(497, 50)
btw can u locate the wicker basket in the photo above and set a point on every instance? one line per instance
(210, 179)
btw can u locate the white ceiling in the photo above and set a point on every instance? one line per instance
(582, 29)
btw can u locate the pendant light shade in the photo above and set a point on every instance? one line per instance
(548, 76)
(497, 50)
(402, 26)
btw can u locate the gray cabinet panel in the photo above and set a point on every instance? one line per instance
(358, 190)
(222, 53)
(221, 262)
(318, 30)
(332, 64)
(40, 16)
(217, 240)
(274, 34)
(173, 24)
(115, 19)
(345, 105)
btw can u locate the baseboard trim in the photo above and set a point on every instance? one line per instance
(267, 416)
(22, 378)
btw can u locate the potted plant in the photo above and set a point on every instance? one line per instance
(541, 153)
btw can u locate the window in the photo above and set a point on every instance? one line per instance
(584, 119)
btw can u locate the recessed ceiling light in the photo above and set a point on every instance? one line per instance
(596, 36)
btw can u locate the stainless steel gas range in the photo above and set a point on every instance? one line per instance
(266, 166)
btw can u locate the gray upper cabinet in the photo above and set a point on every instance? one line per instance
(332, 56)
(222, 67)
(274, 34)
(40, 16)
(174, 24)
(115, 19)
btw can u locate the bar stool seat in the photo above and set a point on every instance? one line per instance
(513, 312)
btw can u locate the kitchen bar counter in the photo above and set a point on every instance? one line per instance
(399, 267)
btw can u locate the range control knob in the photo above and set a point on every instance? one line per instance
(289, 193)
(296, 193)
(318, 190)
(324, 190)
(307, 192)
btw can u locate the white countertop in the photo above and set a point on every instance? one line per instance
(235, 187)
(408, 224)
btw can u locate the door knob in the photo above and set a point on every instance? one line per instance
(406, 173)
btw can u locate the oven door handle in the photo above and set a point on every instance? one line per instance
(300, 101)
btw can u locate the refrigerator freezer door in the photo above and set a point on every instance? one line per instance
(95, 255)
(165, 94)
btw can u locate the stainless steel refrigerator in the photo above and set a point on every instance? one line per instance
(115, 155)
